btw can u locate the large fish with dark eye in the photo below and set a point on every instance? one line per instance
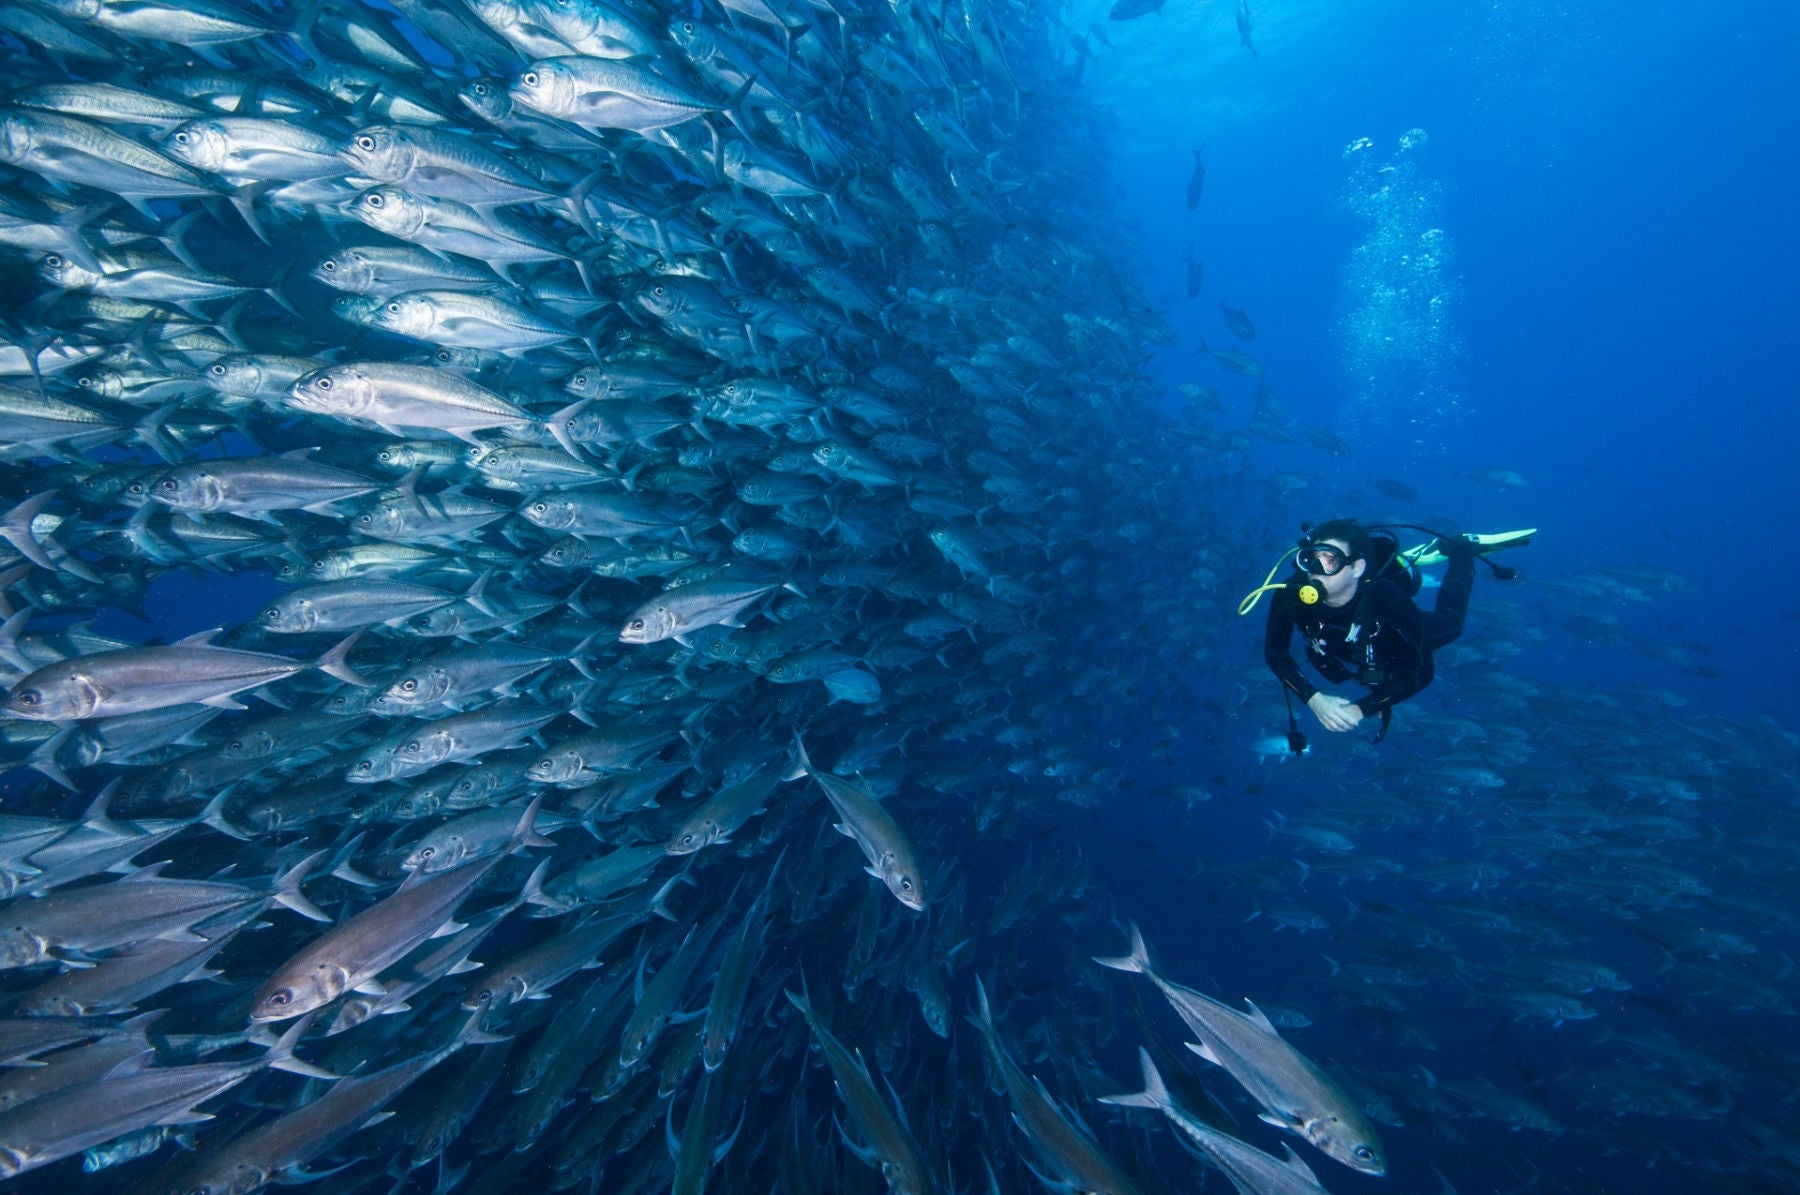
(461, 673)
(254, 149)
(586, 757)
(1295, 1094)
(598, 93)
(610, 516)
(683, 609)
(351, 955)
(147, 678)
(439, 164)
(531, 973)
(393, 396)
(255, 485)
(889, 852)
(476, 835)
(446, 226)
(460, 736)
(383, 270)
(72, 150)
(350, 605)
(464, 319)
(722, 813)
(1250, 1170)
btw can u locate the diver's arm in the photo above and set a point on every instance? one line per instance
(1405, 667)
(1276, 653)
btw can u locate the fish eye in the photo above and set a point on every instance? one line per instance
(323, 384)
(426, 852)
(84, 382)
(328, 266)
(906, 885)
(1364, 1153)
(182, 138)
(687, 27)
(54, 261)
(529, 78)
(395, 308)
(540, 507)
(637, 624)
(364, 765)
(374, 200)
(410, 685)
(282, 998)
(28, 697)
(217, 370)
(365, 142)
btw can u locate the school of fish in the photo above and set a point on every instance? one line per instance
(684, 459)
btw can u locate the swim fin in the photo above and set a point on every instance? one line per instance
(1427, 553)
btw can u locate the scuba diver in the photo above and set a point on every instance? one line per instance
(1351, 597)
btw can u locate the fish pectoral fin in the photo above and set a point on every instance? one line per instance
(448, 928)
(1291, 1124)
(223, 703)
(371, 987)
(1205, 1051)
(180, 935)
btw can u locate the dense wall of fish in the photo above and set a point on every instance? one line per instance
(673, 434)
(624, 396)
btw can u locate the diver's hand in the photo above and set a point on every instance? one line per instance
(1333, 712)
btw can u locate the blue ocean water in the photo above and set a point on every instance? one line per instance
(1543, 238)
(1553, 241)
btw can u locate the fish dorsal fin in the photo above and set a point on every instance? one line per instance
(198, 639)
(1257, 1015)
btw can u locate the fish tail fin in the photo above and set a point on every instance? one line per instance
(281, 1054)
(1138, 960)
(1154, 1094)
(287, 889)
(335, 663)
(16, 529)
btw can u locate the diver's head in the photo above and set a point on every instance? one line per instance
(1334, 556)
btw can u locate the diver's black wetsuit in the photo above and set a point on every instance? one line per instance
(1393, 651)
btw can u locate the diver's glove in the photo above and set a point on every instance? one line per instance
(1455, 547)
